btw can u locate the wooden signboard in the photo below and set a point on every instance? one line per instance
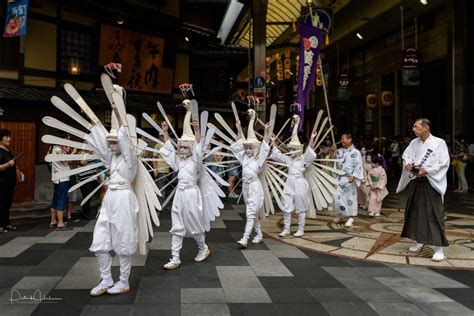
(141, 57)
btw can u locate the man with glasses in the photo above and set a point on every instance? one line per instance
(426, 162)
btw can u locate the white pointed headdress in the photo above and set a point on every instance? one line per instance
(112, 135)
(251, 137)
(295, 141)
(188, 135)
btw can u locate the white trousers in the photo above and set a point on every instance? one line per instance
(105, 262)
(177, 244)
(252, 223)
(287, 221)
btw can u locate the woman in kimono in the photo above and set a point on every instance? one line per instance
(376, 185)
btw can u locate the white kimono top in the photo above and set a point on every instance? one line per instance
(251, 167)
(116, 228)
(296, 187)
(187, 216)
(433, 155)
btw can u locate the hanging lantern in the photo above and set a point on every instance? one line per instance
(386, 98)
(343, 80)
(279, 75)
(371, 100)
(279, 65)
(74, 66)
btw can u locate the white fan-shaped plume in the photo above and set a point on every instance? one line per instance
(143, 185)
(271, 177)
(208, 182)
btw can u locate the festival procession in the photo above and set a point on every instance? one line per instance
(233, 157)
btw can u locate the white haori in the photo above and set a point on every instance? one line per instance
(433, 155)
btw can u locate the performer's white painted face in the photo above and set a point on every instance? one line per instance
(250, 151)
(368, 158)
(114, 147)
(363, 151)
(184, 151)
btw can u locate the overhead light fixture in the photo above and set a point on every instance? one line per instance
(231, 14)
(424, 2)
(186, 39)
(359, 36)
(120, 20)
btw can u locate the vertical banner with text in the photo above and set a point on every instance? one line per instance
(310, 42)
(16, 17)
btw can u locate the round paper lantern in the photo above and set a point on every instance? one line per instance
(371, 100)
(386, 98)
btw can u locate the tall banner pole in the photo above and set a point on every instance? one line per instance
(326, 99)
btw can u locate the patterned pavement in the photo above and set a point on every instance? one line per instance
(46, 272)
(378, 239)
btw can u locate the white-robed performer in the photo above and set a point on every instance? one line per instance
(129, 206)
(252, 156)
(187, 214)
(426, 162)
(345, 198)
(116, 227)
(296, 188)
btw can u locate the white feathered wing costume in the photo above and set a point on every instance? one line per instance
(143, 185)
(270, 174)
(208, 181)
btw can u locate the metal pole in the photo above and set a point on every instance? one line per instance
(326, 100)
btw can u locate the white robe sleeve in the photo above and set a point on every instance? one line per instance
(168, 153)
(238, 150)
(278, 156)
(197, 156)
(357, 172)
(407, 158)
(96, 138)
(309, 156)
(126, 148)
(263, 155)
(437, 166)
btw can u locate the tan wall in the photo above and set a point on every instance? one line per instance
(40, 45)
(40, 81)
(79, 85)
(8, 74)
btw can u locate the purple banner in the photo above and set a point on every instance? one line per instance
(310, 42)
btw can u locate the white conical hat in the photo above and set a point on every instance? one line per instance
(295, 142)
(251, 137)
(188, 134)
(112, 135)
